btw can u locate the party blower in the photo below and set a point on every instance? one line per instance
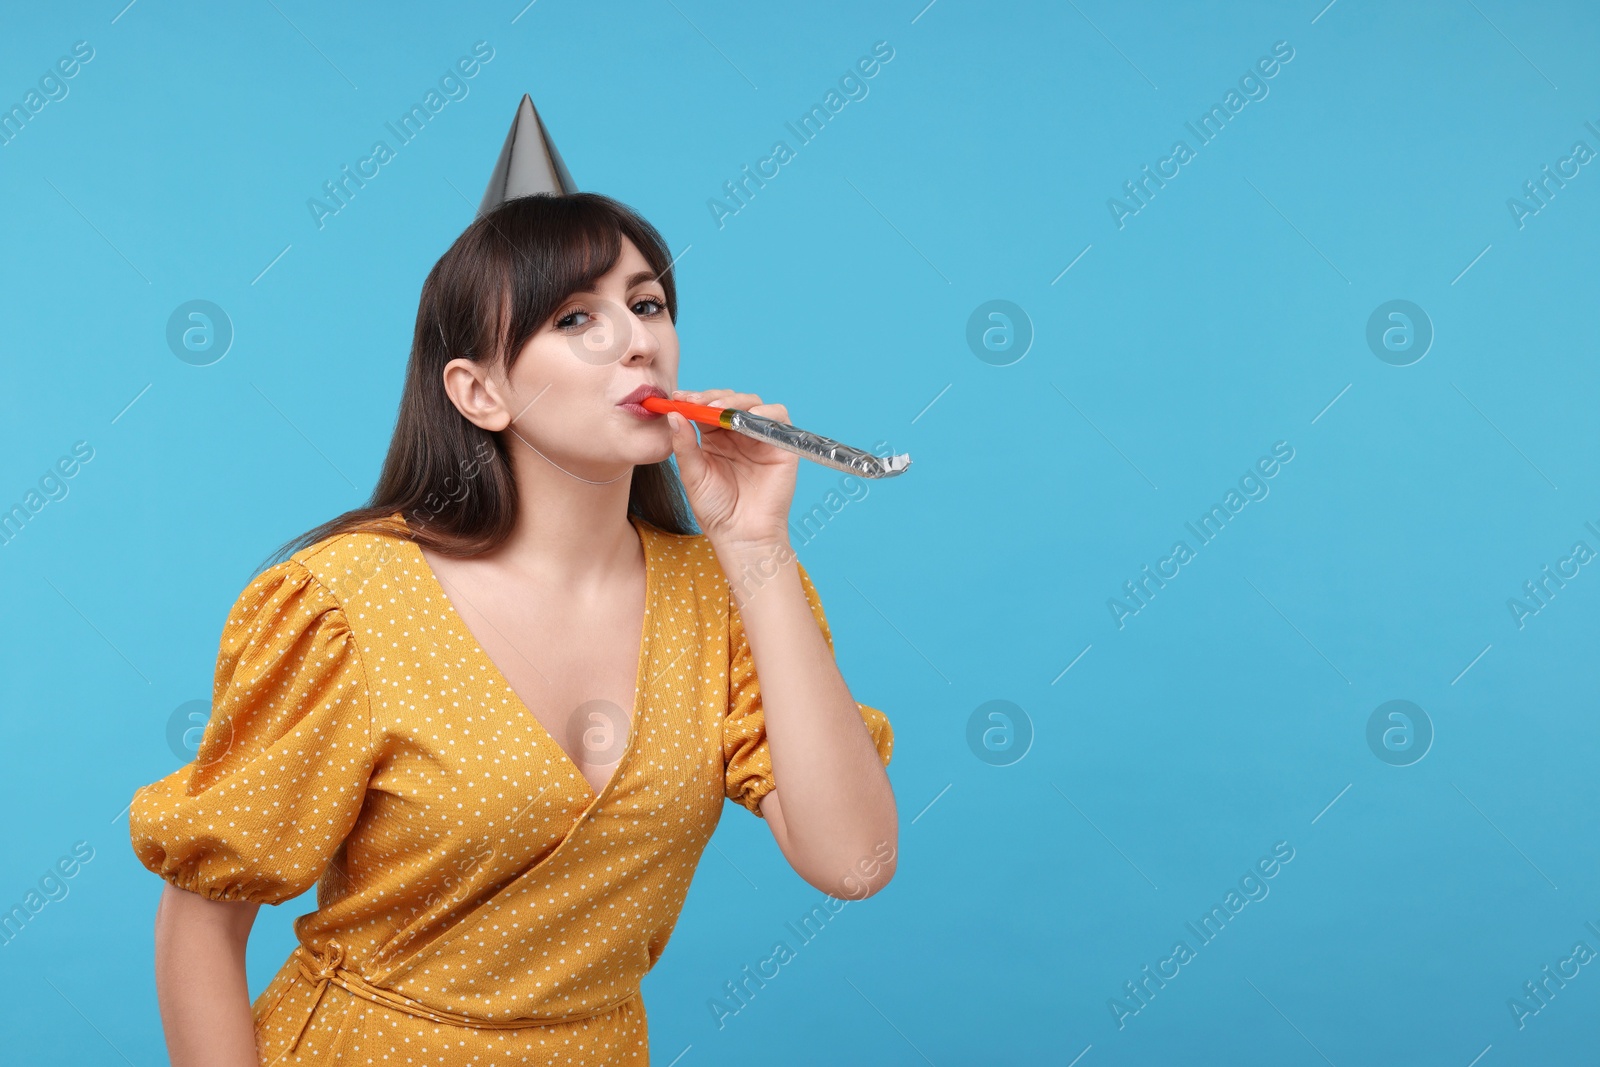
(803, 443)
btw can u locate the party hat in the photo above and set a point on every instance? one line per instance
(528, 164)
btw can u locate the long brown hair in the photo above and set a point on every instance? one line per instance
(501, 280)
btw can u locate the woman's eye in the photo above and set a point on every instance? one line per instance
(648, 306)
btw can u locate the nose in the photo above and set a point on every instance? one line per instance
(642, 343)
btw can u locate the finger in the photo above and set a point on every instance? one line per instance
(771, 411)
(706, 397)
(718, 397)
(730, 399)
(691, 460)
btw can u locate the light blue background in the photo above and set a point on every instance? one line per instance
(1227, 315)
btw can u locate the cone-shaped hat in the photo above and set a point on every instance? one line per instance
(528, 164)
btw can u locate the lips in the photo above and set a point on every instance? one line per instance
(631, 403)
(642, 392)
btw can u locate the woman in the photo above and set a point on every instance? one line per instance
(494, 714)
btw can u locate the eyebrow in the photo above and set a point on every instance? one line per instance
(632, 280)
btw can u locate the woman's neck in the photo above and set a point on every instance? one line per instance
(570, 533)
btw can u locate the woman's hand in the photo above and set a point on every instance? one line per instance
(740, 488)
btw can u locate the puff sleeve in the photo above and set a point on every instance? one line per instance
(283, 764)
(747, 772)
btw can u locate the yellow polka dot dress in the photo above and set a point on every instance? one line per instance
(477, 903)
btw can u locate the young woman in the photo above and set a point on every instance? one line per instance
(494, 714)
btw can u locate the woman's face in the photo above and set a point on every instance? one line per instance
(598, 349)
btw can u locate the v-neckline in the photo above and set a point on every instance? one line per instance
(542, 734)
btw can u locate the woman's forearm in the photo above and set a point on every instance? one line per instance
(200, 980)
(836, 819)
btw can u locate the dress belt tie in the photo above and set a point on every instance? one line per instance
(327, 967)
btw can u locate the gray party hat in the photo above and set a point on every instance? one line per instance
(528, 164)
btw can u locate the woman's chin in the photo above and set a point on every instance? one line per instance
(645, 452)
(658, 455)
(652, 451)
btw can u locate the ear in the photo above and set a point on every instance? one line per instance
(476, 394)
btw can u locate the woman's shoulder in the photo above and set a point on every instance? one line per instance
(689, 565)
(696, 546)
(344, 563)
(685, 562)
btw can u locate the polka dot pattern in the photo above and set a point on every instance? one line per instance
(469, 881)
